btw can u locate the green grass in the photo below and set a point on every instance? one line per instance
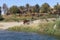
(58, 23)
(22, 17)
(46, 28)
(17, 18)
(23, 29)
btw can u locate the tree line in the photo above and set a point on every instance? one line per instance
(45, 8)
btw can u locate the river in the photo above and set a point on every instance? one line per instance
(8, 35)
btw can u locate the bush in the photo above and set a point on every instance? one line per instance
(58, 23)
(1, 18)
(45, 28)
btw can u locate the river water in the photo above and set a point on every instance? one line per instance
(8, 35)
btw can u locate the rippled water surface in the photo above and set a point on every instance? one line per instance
(6, 35)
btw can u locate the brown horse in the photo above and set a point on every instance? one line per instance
(26, 21)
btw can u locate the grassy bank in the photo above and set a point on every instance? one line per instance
(24, 28)
(46, 28)
(13, 18)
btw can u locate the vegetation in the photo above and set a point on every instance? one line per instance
(45, 28)
(0, 10)
(45, 8)
(29, 12)
(28, 9)
(1, 18)
(23, 29)
(58, 23)
(14, 9)
(57, 8)
(15, 13)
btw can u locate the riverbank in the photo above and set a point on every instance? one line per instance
(6, 25)
(43, 27)
(38, 26)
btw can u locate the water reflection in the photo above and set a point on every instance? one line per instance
(6, 35)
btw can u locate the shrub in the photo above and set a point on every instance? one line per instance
(45, 28)
(1, 18)
(58, 23)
